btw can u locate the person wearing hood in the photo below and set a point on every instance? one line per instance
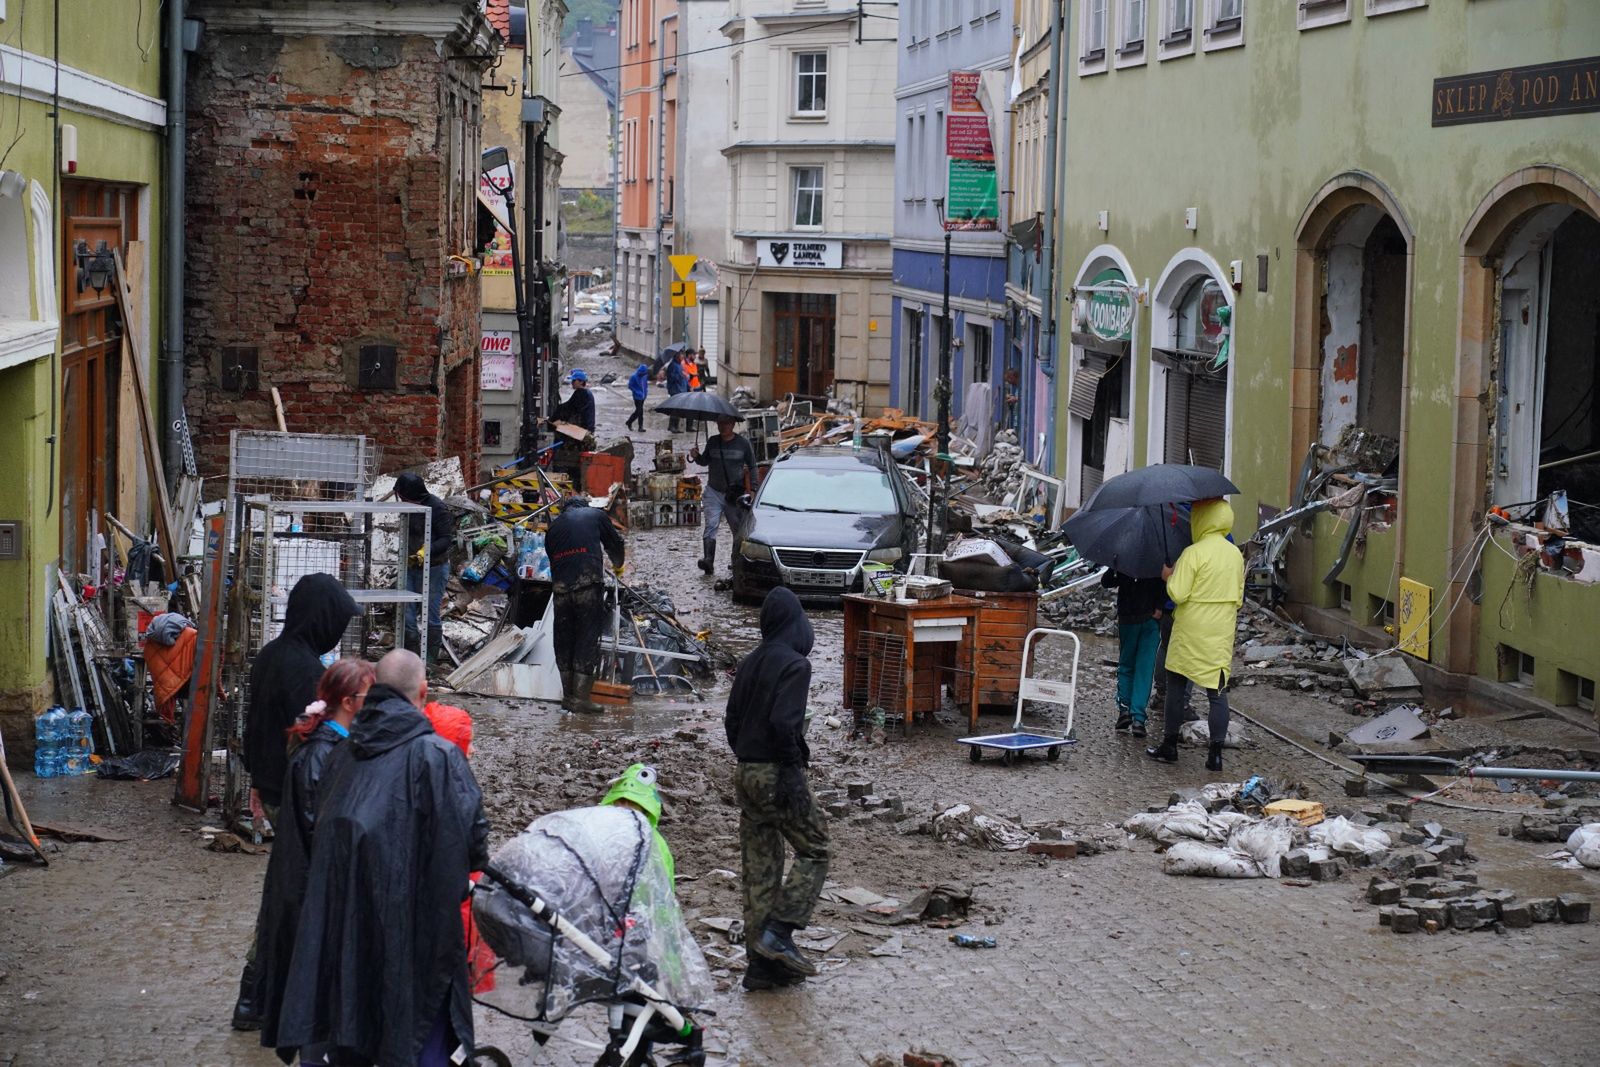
(677, 382)
(765, 723)
(1207, 586)
(410, 487)
(636, 789)
(379, 970)
(578, 408)
(578, 543)
(283, 681)
(639, 389)
(341, 693)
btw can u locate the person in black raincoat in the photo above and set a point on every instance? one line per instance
(379, 971)
(410, 487)
(340, 697)
(765, 724)
(283, 680)
(579, 541)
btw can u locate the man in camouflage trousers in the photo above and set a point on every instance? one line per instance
(765, 722)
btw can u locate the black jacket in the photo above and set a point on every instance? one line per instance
(284, 676)
(442, 532)
(1137, 598)
(766, 716)
(380, 947)
(726, 463)
(578, 409)
(578, 540)
(285, 886)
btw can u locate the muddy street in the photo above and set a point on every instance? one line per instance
(127, 950)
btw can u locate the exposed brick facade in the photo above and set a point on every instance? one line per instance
(327, 191)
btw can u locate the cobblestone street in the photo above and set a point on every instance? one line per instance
(129, 951)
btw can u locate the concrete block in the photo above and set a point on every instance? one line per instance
(1544, 909)
(1430, 869)
(1355, 787)
(1295, 864)
(1573, 909)
(1059, 850)
(1383, 892)
(1399, 810)
(1434, 911)
(857, 790)
(1516, 916)
(1405, 921)
(1420, 887)
(1451, 890)
(1327, 870)
(1409, 836)
(1472, 914)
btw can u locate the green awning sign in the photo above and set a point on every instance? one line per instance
(1110, 315)
(974, 201)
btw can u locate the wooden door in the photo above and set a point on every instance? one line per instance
(94, 215)
(803, 354)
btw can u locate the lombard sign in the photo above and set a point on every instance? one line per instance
(1109, 315)
(799, 254)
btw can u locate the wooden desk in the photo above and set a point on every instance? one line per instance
(900, 653)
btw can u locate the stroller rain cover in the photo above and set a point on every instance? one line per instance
(599, 869)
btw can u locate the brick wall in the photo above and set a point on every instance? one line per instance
(319, 192)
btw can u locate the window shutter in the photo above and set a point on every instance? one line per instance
(1197, 418)
(1086, 377)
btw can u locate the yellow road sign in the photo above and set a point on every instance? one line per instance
(682, 265)
(684, 295)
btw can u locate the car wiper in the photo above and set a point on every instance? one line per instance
(780, 507)
(831, 511)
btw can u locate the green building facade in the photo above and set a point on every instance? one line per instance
(68, 430)
(1372, 224)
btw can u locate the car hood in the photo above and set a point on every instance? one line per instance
(810, 529)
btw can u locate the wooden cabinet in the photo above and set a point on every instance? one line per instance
(900, 655)
(992, 657)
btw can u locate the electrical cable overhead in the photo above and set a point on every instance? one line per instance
(723, 47)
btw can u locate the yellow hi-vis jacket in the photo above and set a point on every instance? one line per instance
(1207, 585)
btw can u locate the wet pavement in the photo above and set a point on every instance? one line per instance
(128, 951)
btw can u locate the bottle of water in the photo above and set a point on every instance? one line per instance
(80, 743)
(45, 746)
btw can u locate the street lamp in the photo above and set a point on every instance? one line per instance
(941, 388)
(495, 165)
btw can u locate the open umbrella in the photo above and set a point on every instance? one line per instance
(1161, 483)
(699, 407)
(671, 352)
(1137, 541)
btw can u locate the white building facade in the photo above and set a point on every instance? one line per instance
(806, 278)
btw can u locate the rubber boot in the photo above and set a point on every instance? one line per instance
(1214, 756)
(708, 559)
(761, 974)
(583, 689)
(436, 649)
(246, 1015)
(569, 688)
(1167, 751)
(776, 944)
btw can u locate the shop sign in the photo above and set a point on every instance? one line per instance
(966, 128)
(497, 257)
(791, 252)
(498, 368)
(1110, 312)
(972, 201)
(1565, 88)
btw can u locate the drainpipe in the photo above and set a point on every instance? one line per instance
(616, 203)
(1054, 150)
(170, 368)
(663, 268)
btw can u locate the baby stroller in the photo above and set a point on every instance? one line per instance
(581, 902)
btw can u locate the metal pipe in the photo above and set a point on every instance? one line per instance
(663, 267)
(170, 368)
(1055, 146)
(1533, 772)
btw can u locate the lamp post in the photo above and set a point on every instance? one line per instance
(497, 169)
(941, 391)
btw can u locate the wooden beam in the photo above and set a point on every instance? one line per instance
(162, 503)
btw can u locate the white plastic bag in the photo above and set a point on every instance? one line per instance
(1266, 842)
(1185, 821)
(1343, 836)
(1208, 861)
(1199, 733)
(1584, 844)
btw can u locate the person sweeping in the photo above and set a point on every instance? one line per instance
(1207, 587)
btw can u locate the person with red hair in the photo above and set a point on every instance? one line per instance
(326, 722)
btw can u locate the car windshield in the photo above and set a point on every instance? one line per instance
(861, 491)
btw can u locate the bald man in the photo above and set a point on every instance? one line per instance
(380, 967)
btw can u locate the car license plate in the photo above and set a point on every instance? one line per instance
(829, 578)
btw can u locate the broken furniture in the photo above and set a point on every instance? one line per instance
(1045, 690)
(901, 653)
(993, 654)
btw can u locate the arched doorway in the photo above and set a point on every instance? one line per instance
(1101, 373)
(1191, 329)
(1528, 368)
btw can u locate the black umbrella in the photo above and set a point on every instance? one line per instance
(701, 407)
(1162, 483)
(667, 354)
(1137, 541)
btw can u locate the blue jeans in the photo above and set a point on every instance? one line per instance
(436, 581)
(1136, 665)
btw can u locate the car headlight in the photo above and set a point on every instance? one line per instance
(756, 550)
(885, 555)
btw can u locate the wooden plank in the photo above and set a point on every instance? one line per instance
(162, 503)
(128, 457)
(277, 409)
(193, 789)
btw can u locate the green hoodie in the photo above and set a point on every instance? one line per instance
(638, 786)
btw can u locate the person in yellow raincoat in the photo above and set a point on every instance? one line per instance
(1207, 585)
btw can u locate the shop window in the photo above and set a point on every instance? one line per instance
(980, 352)
(491, 433)
(1384, 7)
(377, 368)
(911, 342)
(810, 84)
(1363, 322)
(1092, 36)
(1316, 13)
(1177, 29)
(807, 184)
(1135, 16)
(239, 369)
(1224, 24)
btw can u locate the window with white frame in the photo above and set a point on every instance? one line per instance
(1314, 13)
(1092, 36)
(1177, 28)
(1131, 31)
(735, 66)
(1224, 24)
(810, 83)
(807, 185)
(1384, 7)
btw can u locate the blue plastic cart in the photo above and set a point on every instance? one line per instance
(1049, 691)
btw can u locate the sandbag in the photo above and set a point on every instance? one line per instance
(1584, 844)
(1266, 842)
(1208, 861)
(1187, 820)
(1340, 835)
(1199, 733)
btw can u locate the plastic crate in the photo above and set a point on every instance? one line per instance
(688, 513)
(665, 514)
(688, 487)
